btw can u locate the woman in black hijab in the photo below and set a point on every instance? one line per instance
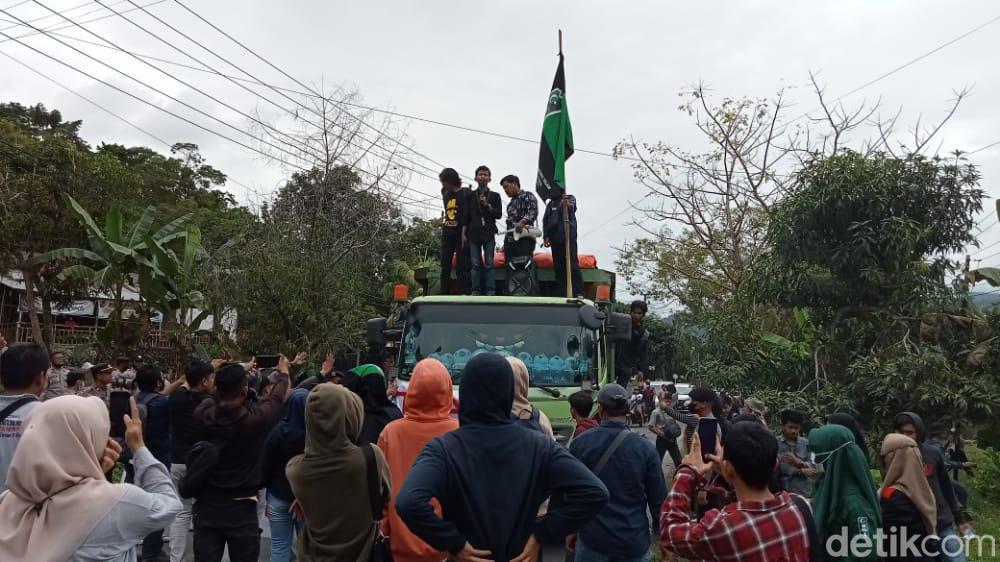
(368, 382)
(848, 421)
(491, 475)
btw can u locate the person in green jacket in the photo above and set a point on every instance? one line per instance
(846, 498)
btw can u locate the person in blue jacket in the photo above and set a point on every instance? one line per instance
(491, 475)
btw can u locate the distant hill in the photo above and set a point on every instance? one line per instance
(985, 300)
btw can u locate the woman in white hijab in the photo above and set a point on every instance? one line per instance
(60, 507)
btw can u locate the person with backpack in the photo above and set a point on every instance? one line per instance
(524, 411)
(667, 430)
(23, 368)
(490, 476)
(629, 467)
(223, 470)
(333, 466)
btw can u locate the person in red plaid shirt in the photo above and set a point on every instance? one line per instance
(758, 527)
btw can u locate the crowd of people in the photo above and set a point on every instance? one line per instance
(469, 230)
(343, 474)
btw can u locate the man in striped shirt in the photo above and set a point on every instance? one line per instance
(758, 527)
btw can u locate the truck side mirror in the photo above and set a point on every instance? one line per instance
(375, 331)
(592, 318)
(619, 328)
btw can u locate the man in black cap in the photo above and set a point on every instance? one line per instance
(629, 467)
(454, 232)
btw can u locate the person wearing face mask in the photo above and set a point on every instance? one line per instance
(846, 498)
(55, 384)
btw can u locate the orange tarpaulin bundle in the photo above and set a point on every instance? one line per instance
(543, 260)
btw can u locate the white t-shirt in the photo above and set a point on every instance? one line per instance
(10, 433)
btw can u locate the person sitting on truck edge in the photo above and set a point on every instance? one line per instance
(555, 237)
(482, 213)
(454, 241)
(631, 359)
(522, 212)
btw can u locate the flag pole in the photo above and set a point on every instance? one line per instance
(565, 213)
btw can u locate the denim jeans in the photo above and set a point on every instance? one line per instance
(951, 543)
(283, 528)
(180, 529)
(586, 554)
(484, 278)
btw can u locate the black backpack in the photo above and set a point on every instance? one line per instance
(202, 460)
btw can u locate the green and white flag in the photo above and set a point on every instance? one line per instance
(557, 141)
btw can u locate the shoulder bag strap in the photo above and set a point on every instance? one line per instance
(815, 548)
(15, 406)
(375, 498)
(619, 439)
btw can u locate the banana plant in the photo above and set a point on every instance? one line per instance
(170, 285)
(115, 252)
(802, 349)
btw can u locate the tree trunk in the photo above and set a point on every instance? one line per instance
(48, 328)
(116, 318)
(29, 296)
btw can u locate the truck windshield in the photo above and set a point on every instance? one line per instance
(549, 339)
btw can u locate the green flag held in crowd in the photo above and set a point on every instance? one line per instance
(557, 140)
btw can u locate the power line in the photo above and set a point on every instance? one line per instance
(14, 24)
(907, 64)
(360, 121)
(108, 111)
(57, 27)
(991, 145)
(388, 159)
(189, 85)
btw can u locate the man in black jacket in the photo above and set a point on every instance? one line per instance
(948, 512)
(632, 357)
(555, 237)
(225, 510)
(454, 232)
(490, 477)
(183, 434)
(482, 212)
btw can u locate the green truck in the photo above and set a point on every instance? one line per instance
(567, 344)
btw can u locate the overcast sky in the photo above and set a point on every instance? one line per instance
(489, 66)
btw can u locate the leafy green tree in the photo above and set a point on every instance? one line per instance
(42, 157)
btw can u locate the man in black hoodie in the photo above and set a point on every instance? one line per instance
(912, 426)
(225, 510)
(491, 475)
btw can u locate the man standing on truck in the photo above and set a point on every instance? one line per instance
(454, 235)
(632, 357)
(555, 237)
(519, 244)
(483, 211)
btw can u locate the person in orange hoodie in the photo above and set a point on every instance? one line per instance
(427, 414)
